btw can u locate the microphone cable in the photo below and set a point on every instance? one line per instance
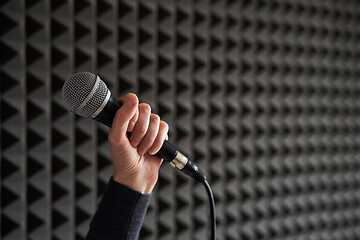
(212, 208)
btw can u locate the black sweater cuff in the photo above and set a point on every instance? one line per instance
(120, 214)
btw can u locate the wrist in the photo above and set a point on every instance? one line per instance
(135, 183)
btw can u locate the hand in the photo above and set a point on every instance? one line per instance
(135, 164)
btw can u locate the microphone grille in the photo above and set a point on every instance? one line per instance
(77, 89)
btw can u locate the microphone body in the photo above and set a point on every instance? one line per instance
(105, 111)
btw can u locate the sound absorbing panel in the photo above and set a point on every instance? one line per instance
(263, 95)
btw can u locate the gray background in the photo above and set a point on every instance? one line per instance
(262, 95)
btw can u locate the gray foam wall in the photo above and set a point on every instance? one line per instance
(263, 95)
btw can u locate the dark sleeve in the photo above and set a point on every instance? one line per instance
(120, 214)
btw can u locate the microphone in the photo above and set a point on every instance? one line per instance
(87, 95)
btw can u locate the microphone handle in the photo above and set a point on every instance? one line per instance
(167, 151)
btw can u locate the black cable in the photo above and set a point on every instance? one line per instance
(212, 208)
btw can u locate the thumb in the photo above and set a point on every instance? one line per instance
(123, 115)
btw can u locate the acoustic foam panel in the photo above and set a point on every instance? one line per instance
(262, 95)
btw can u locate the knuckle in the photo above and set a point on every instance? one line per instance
(142, 130)
(155, 118)
(144, 107)
(164, 126)
(129, 95)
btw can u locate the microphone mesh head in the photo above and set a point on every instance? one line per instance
(77, 89)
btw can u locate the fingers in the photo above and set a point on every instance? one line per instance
(133, 121)
(125, 114)
(149, 132)
(159, 140)
(150, 135)
(141, 126)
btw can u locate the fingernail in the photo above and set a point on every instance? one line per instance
(131, 126)
(153, 152)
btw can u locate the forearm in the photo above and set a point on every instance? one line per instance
(122, 210)
(120, 214)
